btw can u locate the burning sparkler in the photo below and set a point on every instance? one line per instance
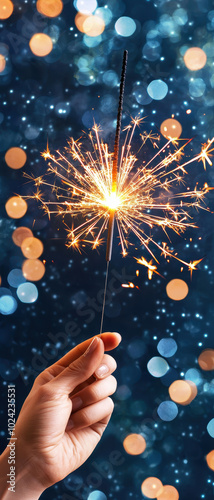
(96, 187)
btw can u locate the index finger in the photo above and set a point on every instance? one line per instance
(110, 340)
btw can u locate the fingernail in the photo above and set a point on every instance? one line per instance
(92, 346)
(76, 403)
(101, 371)
(119, 335)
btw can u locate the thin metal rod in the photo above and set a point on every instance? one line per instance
(114, 178)
(119, 119)
(104, 297)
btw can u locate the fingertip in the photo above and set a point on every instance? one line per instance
(111, 340)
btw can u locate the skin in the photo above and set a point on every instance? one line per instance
(54, 437)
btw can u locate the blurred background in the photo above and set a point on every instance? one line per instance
(60, 64)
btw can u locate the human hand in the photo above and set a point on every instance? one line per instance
(55, 435)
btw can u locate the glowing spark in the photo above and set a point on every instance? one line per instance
(151, 267)
(146, 194)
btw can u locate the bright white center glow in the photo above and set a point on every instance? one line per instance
(112, 201)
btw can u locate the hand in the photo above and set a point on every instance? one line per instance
(66, 413)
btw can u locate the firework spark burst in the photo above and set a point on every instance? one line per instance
(147, 193)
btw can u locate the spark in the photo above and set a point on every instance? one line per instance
(151, 267)
(146, 193)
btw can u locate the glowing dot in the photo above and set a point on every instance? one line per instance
(195, 58)
(93, 26)
(49, 8)
(169, 493)
(41, 44)
(183, 391)
(206, 360)
(167, 411)
(85, 6)
(16, 207)
(15, 278)
(15, 158)
(210, 459)
(177, 289)
(157, 366)
(210, 427)
(6, 9)
(33, 269)
(157, 89)
(79, 21)
(97, 495)
(134, 444)
(32, 248)
(171, 128)
(125, 26)
(8, 305)
(20, 234)
(151, 487)
(2, 63)
(27, 293)
(167, 347)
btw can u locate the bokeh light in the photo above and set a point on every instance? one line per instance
(195, 58)
(157, 89)
(177, 289)
(197, 87)
(210, 459)
(167, 347)
(20, 234)
(171, 128)
(210, 427)
(206, 360)
(169, 493)
(151, 487)
(6, 9)
(134, 444)
(167, 411)
(85, 6)
(15, 158)
(15, 278)
(93, 26)
(183, 391)
(79, 21)
(49, 8)
(125, 26)
(157, 366)
(32, 248)
(8, 305)
(41, 44)
(27, 293)
(33, 269)
(16, 207)
(2, 63)
(193, 375)
(97, 495)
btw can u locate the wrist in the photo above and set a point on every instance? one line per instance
(16, 480)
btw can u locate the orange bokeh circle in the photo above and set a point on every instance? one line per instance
(206, 360)
(151, 487)
(6, 9)
(15, 158)
(49, 8)
(134, 444)
(32, 248)
(41, 44)
(16, 207)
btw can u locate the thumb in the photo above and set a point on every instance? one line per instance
(79, 370)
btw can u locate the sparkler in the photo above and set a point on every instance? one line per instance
(95, 188)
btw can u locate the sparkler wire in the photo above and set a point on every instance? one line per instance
(114, 178)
